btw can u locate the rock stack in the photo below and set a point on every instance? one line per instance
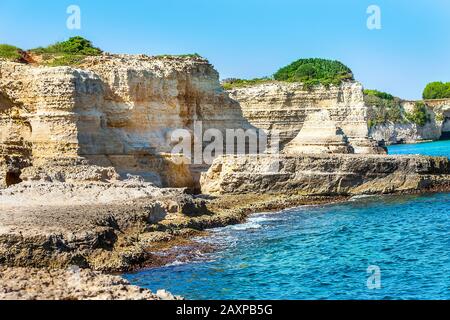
(319, 134)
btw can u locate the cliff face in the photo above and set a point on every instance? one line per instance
(438, 127)
(285, 107)
(112, 118)
(116, 111)
(325, 174)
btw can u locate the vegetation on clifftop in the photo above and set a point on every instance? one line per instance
(187, 55)
(67, 53)
(315, 71)
(10, 52)
(71, 52)
(309, 72)
(419, 115)
(232, 83)
(379, 94)
(385, 108)
(437, 90)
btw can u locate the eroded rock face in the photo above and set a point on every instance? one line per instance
(438, 127)
(394, 133)
(117, 111)
(285, 107)
(325, 174)
(319, 134)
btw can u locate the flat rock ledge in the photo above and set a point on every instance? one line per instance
(322, 174)
(71, 284)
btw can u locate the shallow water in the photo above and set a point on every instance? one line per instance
(437, 148)
(323, 252)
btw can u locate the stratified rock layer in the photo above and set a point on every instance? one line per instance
(326, 174)
(285, 107)
(438, 126)
(319, 134)
(117, 111)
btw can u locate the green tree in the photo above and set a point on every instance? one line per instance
(437, 90)
(315, 71)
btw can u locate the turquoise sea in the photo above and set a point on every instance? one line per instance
(437, 148)
(324, 252)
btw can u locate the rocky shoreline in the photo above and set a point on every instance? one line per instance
(71, 284)
(119, 237)
(88, 179)
(38, 245)
(33, 259)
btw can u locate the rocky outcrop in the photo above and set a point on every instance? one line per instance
(325, 174)
(319, 134)
(100, 227)
(114, 111)
(70, 284)
(438, 126)
(396, 133)
(117, 114)
(285, 107)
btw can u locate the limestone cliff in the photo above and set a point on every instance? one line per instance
(285, 106)
(115, 111)
(436, 128)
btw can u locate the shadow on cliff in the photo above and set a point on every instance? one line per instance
(108, 143)
(15, 148)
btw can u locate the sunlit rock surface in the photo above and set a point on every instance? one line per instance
(285, 107)
(116, 111)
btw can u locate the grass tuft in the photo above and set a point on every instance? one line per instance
(10, 52)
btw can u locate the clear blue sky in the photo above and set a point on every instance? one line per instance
(253, 38)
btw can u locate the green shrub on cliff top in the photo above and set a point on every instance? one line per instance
(437, 90)
(315, 71)
(67, 53)
(75, 45)
(310, 72)
(419, 115)
(379, 94)
(229, 84)
(9, 52)
(383, 108)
